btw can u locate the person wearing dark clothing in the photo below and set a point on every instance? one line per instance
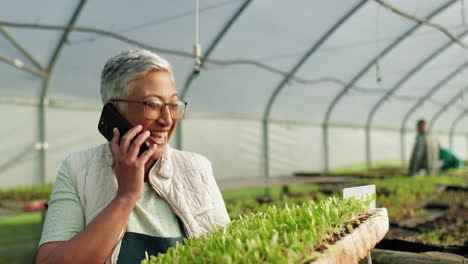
(425, 153)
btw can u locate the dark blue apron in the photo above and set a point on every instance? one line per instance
(134, 245)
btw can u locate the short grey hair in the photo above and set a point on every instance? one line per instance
(122, 69)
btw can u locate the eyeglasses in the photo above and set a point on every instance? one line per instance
(153, 109)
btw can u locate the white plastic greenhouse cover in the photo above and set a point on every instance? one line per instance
(285, 86)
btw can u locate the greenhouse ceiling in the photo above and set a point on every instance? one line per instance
(382, 63)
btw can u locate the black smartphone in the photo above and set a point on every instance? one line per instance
(111, 118)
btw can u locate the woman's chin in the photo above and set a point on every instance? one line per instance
(161, 148)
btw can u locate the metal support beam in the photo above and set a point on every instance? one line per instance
(210, 49)
(445, 107)
(21, 48)
(44, 102)
(99, 32)
(402, 147)
(282, 84)
(19, 64)
(399, 84)
(422, 100)
(365, 69)
(453, 125)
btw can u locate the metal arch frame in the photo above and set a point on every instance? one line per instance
(10, 61)
(43, 103)
(210, 49)
(402, 81)
(100, 32)
(421, 101)
(18, 46)
(38, 70)
(364, 70)
(444, 108)
(282, 84)
(455, 123)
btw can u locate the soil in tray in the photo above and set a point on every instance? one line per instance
(389, 171)
(409, 246)
(424, 216)
(449, 230)
(452, 229)
(401, 233)
(454, 198)
(381, 172)
(442, 223)
(448, 233)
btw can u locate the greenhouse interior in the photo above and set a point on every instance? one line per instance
(323, 131)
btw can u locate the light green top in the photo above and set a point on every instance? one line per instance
(65, 218)
(152, 216)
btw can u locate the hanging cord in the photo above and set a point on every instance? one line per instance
(378, 72)
(197, 46)
(423, 21)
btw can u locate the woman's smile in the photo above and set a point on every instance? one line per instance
(159, 137)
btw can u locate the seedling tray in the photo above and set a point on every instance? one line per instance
(355, 246)
(408, 246)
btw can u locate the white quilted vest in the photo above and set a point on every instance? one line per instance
(181, 178)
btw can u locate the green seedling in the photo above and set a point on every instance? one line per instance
(288, 234)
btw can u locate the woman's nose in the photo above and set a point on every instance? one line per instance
(165, 117)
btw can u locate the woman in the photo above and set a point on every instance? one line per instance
(110, 204)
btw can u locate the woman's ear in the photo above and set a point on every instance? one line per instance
(117, 106)
(114, 104)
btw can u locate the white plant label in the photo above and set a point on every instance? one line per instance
(360, 192)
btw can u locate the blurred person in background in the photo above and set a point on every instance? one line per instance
(425, 155)
(110, 205)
